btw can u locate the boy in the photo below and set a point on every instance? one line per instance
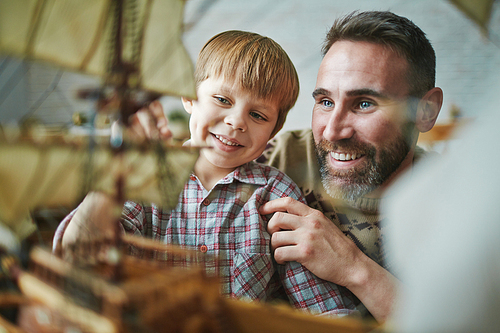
(246, 84)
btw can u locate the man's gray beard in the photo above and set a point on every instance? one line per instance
(356, 182)
(348, 192)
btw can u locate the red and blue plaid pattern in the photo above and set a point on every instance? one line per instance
(225, 222)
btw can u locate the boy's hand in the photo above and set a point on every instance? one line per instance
(150, 123)
(95, 220)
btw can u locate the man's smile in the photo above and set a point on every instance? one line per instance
(345, 156)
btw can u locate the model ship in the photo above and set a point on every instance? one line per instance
(162, 288)
(126, 283)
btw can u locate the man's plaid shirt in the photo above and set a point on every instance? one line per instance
(225, 222)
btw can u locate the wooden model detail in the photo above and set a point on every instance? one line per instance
(149, 297)
(162, 288)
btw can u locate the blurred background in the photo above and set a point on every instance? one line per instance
(468, 57)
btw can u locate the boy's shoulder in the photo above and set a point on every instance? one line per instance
(265, 176)
(259, 173)
(270, 179)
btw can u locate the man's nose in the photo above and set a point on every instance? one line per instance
(339, 125)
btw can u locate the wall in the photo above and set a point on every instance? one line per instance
(467, 68)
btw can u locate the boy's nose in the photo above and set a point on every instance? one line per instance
(236, 121)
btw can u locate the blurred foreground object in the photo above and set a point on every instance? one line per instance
(162, 287)
(479, 11)
(61, 170)
(443, 227)
(135, 47)
(128, 43)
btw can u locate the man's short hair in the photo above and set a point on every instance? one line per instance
(397, 33)
(256, 63)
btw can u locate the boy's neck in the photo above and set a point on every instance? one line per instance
(209, 174)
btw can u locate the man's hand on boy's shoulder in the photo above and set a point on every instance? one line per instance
(149, 123)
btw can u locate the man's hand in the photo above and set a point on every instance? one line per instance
(303, 234)
(150, 123)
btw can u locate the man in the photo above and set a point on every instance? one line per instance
(374, 93)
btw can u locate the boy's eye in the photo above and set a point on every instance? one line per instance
(257, 115)
(222, 100)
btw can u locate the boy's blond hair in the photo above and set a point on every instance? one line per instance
(257, 63)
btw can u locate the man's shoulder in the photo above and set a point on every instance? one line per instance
(294, 154)
(286, 146)
(301, 137)
(421, 154)
(296, 134)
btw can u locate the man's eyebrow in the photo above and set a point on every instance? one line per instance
(352, 93)
(320, 91)
(366, 92)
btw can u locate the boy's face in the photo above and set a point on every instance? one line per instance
(235, 123)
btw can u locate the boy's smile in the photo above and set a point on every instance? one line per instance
(234, 122)
(226, 143)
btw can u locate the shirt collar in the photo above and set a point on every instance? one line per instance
(250, 173)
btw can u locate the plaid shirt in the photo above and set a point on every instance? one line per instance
(225, 222)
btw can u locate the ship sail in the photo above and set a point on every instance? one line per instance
(56, 175)
(77, 34)
(134, 46)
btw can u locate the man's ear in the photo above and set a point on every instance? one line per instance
(188, 104)
(428, 109)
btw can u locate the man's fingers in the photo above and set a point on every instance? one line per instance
(151, 123)
(287, 253)
(285, 205)
(282, 221)
(136, 128)
(283, 238)
(148, 123)
(287, 214)
(160, 120)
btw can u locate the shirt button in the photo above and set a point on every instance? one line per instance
(206, 202)
(192, 177)
(203, 248)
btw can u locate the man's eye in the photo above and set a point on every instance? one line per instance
(257, 116)
(365, 105)
(326, 103)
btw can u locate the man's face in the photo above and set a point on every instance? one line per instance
(360, 118)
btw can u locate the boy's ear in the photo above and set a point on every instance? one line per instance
(428, 109)
(188, 104)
